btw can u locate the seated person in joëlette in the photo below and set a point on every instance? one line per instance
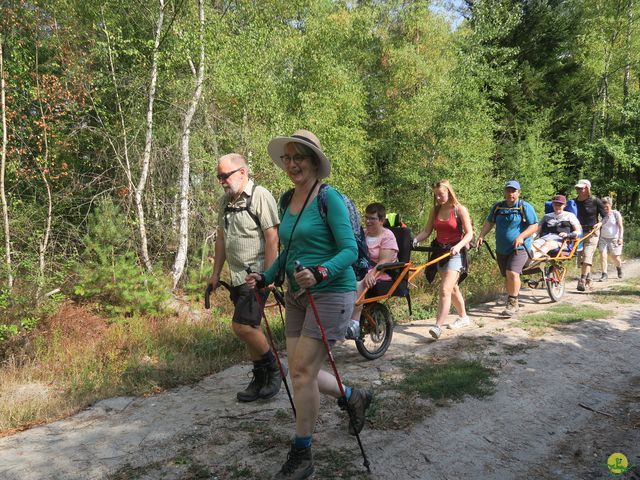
(383, 248)
(555, 227)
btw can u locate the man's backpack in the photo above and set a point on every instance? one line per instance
(363, 263)
(247, 208)
(501, 208)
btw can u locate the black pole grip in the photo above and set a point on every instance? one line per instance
(207, 295)
(298, 266)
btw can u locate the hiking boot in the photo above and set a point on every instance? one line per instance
(604, 277)
(511, 308)
(252, 392)
(619, 269)
(580, 286)
(358, 403)
(272, 382)
(299, 465)
(435, 332)
(460, 322)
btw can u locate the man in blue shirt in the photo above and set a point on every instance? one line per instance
(515, 221)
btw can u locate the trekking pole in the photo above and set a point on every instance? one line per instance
(298, 268)
(280, 301)
(490, 251)
(283, 374)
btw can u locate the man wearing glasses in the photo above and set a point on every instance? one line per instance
(247, 235)
(589, 208)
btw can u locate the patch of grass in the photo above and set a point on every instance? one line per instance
(338, 463)
(613, 297)
(451, 379)
(558, 315)
(398, 411)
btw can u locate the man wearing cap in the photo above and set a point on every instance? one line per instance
(556, 226)
(515, 221)
(247, 236)
(589, 209)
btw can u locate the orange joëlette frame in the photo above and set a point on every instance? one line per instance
(408, 268)
(568, 256)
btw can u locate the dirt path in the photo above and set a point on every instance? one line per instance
(563, 403)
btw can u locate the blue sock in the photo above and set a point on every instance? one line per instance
(347, 392)
(302, 442)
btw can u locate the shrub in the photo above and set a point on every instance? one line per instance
(109, 271)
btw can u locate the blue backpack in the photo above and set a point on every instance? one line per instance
(363, 263)
(571, 207)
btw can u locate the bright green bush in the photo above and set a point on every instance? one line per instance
(109, 271)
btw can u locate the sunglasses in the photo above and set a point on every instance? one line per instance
(224, 176)
(297, 159)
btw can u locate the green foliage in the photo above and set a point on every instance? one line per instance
(109, 271)
(7, 331)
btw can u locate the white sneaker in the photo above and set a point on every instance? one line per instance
(435, 332)
(460, 322)
(353, 330)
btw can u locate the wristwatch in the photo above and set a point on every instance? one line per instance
(319, 272)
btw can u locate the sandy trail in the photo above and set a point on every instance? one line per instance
(563, 403)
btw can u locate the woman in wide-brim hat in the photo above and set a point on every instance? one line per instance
(327, 248)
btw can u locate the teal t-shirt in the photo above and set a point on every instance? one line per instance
(329, 243)
(511, 222)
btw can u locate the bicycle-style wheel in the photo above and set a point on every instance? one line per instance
(376, 330)
(555, 281)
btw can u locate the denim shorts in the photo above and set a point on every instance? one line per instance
(453, 263)
(334, 309)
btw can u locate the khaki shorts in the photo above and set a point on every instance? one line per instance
(609, 245)
(588, 249)
(334, 309)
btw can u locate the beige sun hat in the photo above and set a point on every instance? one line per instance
(305, 137)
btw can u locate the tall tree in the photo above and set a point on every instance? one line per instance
(183, 236)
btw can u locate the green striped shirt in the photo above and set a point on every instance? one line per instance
(244, 242)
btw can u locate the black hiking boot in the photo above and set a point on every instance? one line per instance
(299, 465)
(272, 382)
(356, 407)
(619, 269)
(252, 392)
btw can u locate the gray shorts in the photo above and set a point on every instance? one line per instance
(588, 249)
(334, 309)
(514, 261)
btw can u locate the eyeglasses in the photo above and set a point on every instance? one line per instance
(297, 159)
(225, 176)
(371, 219)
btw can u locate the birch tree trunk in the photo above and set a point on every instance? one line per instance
(3, 163)
(146, 159)
(44, 243)
(125, 138)
(183, 235)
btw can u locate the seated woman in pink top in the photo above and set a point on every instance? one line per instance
(383, 248)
